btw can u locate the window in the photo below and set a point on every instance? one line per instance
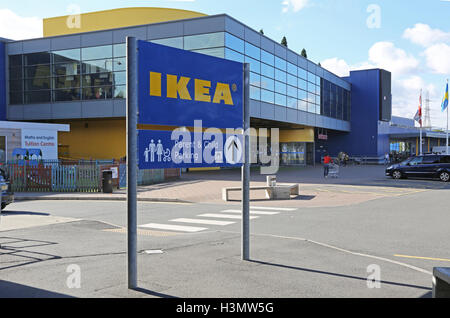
(32, 97)
(430, 159)
(255, 79)
(100, 79)
(302, 84)
(120, 50)
(267, 96)
(311, 88)
(303, 105)
(292, 102)
(280, 87)
(66, 82)
(58, 76)
(280, 99)
(16, 85)
(311, 78)
(280, 75)
(416, 161)
(37, 71)
(37, 84)
(292, 80)
(66, 69)
(267, 83)
(120, 91)
(255, 66)
(267, 70)
(15, 73)
(204, 41)
(96, 52)
(301, 73)
(234, 56)
(280, 63)
(172, 42)
(292, 91)
(98, 66)
(292, 69)
(15, 61)
(120, 64)
(267, 58)
(217, 52)
(62, 95)
(252, 51)
(37, 58)
(302, 94)
(67, 56)
(234, 43)
(255, 93)
(97, 92)
(445, 159)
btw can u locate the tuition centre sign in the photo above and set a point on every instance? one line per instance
(178, 88)
(45, 140)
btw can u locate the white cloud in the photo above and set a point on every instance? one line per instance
(424, 35)
(295, 5)
(336, 66)
(16, 27)
(407, 77)
(381, 55)
(385, 55)
(438, 58)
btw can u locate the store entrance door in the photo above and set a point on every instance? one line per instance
(310, 154)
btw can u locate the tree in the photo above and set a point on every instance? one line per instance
(284, 41)
(261, 31)
(304, 54)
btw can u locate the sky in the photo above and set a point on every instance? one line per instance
(409, 38)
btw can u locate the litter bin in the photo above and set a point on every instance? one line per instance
(107, 182)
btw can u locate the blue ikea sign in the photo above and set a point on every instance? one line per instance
(177, 87)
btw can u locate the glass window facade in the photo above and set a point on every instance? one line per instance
(277, 81)
(100, 73)
(68, 75)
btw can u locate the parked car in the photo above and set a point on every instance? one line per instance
(5, 187)
(425, 166)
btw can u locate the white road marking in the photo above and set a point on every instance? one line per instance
(252, 212)
(198, 221)
(226, 216)
(275, 209)
(170, 227)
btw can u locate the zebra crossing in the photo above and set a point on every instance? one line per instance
(223, 218)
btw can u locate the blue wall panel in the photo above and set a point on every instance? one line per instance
(2, 82)
(363, 138)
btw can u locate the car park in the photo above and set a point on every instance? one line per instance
(425, 166)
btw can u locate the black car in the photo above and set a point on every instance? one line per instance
(5, 188)
(426, 166)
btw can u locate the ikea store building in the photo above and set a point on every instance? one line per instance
(76, 75)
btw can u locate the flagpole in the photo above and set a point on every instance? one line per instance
(447, 126)
(421, 145)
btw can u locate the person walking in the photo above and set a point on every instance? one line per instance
(386, 158)
(326, 165)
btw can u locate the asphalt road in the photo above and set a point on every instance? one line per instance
(307, 252)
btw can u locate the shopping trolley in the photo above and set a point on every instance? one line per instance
(333, 171)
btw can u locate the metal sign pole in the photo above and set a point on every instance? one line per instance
(132, 110)
(246, 168)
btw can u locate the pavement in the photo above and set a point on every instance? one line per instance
(320, 246)
(355, 184)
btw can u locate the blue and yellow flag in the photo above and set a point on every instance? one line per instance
(445, 100)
